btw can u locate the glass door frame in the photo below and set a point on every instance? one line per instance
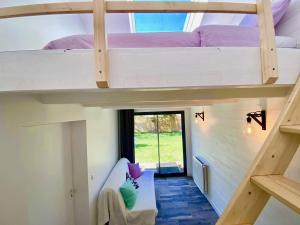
(156, 113)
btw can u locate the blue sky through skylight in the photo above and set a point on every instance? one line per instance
(160, 22)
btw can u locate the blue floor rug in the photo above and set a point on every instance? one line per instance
(180, 202)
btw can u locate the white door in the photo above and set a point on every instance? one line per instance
(47, 160)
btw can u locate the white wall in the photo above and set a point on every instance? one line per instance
(35, 32)
(26, 33)
(289, 25)
(22, 112)
(102, 154)
(114, 23)
(228, 151)
(221, 18)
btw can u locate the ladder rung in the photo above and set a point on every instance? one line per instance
(293, 129)
(283, 189)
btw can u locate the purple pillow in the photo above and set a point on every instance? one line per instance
(279, 8)
(134, 170)
(228, 36)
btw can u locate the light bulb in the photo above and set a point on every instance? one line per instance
(249, 129)
(248, 126)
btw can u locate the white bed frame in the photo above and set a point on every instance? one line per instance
(142, 68)
(130, 68)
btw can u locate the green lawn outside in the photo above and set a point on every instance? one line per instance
(170, 147)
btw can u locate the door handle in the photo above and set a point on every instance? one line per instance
(72, 192)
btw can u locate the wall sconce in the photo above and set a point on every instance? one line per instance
(255, 116)
(199, 116)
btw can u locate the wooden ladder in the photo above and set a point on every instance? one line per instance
(265, 177)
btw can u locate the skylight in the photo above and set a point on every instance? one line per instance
(159, 22)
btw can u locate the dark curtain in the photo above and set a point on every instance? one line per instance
(126, 134)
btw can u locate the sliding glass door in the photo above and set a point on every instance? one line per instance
(160, 142)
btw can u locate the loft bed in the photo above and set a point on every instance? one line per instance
(158, 67)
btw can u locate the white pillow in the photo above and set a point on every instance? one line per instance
(290, 23)
(286, 42)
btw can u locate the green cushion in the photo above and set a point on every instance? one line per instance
(129, 194)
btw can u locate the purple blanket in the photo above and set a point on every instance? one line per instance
(204, 36)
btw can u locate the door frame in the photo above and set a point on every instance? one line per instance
(182, 113)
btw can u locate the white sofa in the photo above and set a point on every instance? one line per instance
(111, 207)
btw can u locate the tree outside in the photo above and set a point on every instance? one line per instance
(167, 123)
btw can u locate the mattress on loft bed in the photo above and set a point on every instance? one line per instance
(179, 67)
(204, 36)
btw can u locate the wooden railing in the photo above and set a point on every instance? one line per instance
(100, 7)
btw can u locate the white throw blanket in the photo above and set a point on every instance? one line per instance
(111, 207)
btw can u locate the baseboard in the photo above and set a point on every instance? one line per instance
(218, 211)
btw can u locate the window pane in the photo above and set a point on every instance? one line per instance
(146, 142)
(170, 144)
(160, 22)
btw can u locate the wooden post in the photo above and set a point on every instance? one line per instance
(268, 49)
(100, 44)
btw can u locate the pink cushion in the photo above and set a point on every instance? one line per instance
(279, 8)
(134, 170)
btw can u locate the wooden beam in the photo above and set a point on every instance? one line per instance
(174, 7)
(126, 7)
(292, 129)
(46, 9)
(283, 189)
(158, 104)
(120, 96)
(100, 44)
(268, 48)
